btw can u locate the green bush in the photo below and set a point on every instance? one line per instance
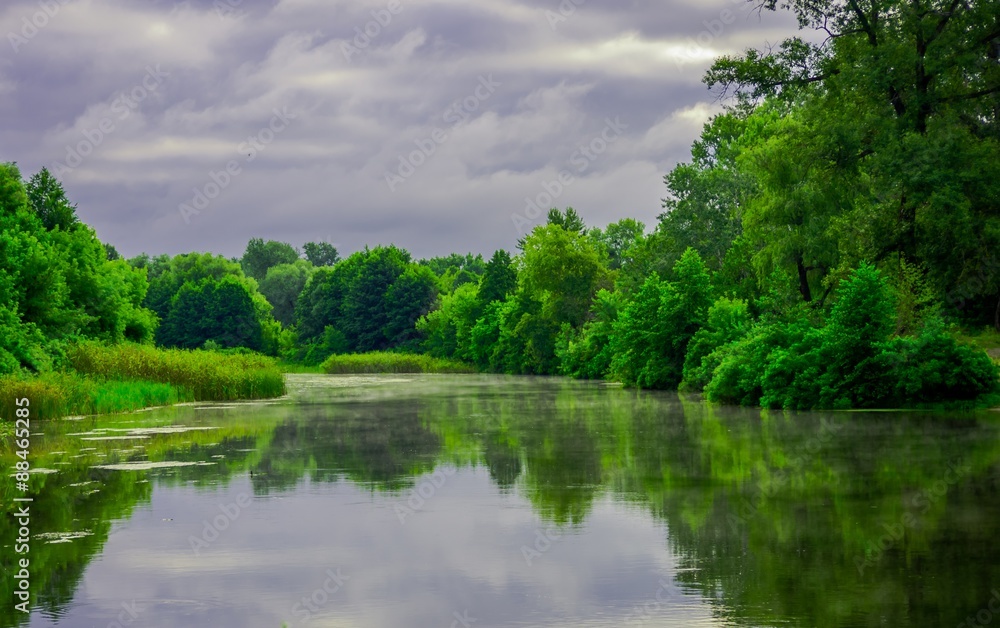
(851, 362)
(728, 320)
(933, 367)
(652, 333)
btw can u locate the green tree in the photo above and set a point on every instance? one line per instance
(652, 332)
(617, 238)
(48, 200)
(410, 297)
(321, 253)
(220, 310)
(260, 256)
(499, 278)
(282, 286)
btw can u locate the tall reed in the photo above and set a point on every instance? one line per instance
(208, 375)
(383, 362)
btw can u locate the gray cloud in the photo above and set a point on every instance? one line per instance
(361, 103)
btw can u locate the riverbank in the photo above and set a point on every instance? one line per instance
(101, 379)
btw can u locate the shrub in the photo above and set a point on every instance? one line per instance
(728, 320)
(933, 367)
(384, 362)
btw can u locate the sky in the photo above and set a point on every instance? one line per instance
(437, 125)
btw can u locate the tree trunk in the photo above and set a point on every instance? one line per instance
(803, 280)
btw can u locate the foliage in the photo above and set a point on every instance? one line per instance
(728, 320)
(221, 311)
(652, 332)
(499, 278)
(209, 376)
(447, 330)
(282, 286)
(587, 353)
(321, 253)
(55, 394)
(261, 256)
(56, 281)
(384, 362)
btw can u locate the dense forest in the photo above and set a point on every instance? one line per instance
(833, 234)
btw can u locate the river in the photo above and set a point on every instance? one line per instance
(450, 501)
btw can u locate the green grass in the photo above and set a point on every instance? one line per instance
(382, 362)
(209, 376)
(53, 395)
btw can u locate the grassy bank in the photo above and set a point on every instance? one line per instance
(209, 376)
(382, 362)
(54, 395)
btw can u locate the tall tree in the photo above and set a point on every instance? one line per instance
(321, 253)
(49, 202)
(499, 278)
(261, 256)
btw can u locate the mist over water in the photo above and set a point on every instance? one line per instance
(432, 501)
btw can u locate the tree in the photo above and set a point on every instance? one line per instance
(562, 270)
(499, 278)
(617, 239)
(652, 333)
(321, 253)
(568, 220)
(282, 287)
(447, 330)
(410, 297)
(898, 109)
(364, 313)
(261, 256)
(48, 200)
(220, 310)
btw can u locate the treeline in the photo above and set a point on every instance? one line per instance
(834, 225)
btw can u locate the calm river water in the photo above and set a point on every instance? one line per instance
(451, 501)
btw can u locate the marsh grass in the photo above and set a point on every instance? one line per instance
(383, 362)
(53, 395)
(207, 375)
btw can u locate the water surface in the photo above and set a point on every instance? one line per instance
(444, 501)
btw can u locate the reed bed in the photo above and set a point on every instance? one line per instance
(209, 376)
(54, 395)
(383, 362)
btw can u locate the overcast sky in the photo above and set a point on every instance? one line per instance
(424, 123)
